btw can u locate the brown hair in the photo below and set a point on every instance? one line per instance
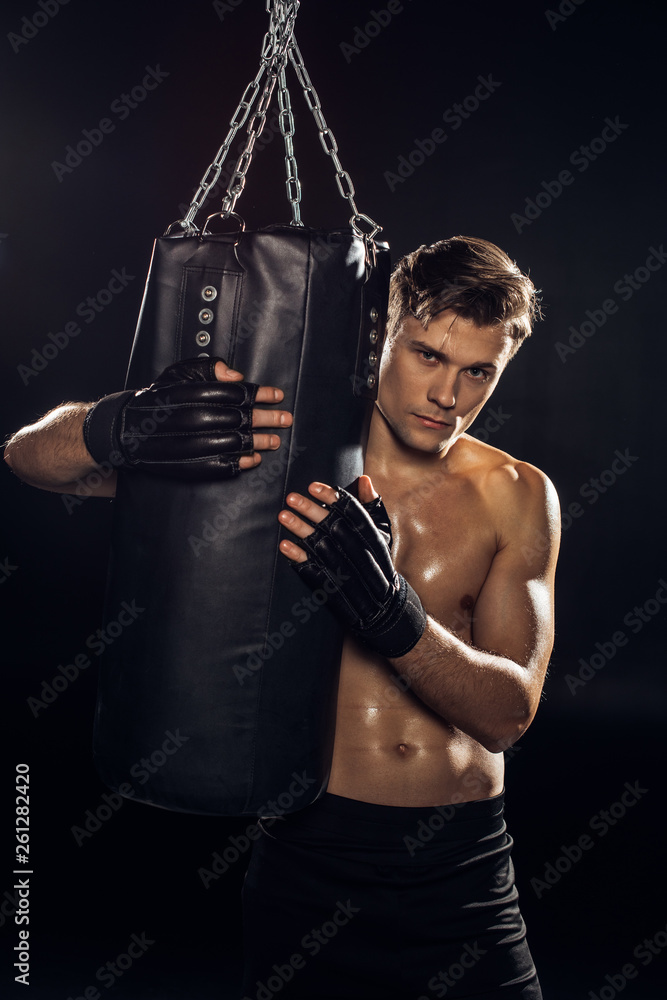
(471, 276)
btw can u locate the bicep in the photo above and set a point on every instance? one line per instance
(514, 613)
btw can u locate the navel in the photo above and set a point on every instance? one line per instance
(467, 602)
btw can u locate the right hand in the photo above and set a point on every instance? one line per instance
(260, 418)
(192, 423)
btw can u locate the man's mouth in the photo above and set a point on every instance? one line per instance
(431, 422)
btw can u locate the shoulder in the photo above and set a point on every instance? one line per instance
(524, 500)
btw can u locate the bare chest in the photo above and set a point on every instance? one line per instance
(444, 543)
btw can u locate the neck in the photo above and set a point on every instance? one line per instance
(387, 455)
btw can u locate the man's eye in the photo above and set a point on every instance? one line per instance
(427, 355)
(479, 374)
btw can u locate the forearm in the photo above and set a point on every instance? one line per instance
(51, 453)
(487, 696)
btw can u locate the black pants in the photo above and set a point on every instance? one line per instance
(348, 900)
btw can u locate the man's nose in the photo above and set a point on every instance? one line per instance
(443, 391)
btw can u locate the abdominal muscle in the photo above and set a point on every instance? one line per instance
(391, 749)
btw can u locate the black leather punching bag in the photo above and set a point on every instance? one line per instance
(218, 695)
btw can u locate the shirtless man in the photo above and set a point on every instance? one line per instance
(398, 882)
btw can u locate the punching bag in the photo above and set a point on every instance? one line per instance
(218, 695)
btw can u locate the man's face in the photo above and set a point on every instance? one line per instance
(434, 382)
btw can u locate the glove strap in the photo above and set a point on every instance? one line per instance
(405, 628)
(100, 426)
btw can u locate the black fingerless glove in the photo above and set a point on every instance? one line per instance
(348, 556)
(186, 425)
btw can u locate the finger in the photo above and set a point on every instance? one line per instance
(250, 461)
(224, 373)
(366, 489)
(293, 551)
(271, 418)
(324, 493)
(269, 394)
(295, 524)
(302, 505)
(265, 442)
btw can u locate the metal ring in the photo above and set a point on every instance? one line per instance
(188, 227)
(221, 215)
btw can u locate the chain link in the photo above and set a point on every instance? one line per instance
(286, 122)
(281, 29)
(330, 146)
(278, 47)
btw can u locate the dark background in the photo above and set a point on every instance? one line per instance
(59, 242)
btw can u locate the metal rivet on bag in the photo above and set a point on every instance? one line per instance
(206, 316)
(372, 358)
(373, 337)
(203, 338)
(209, 293)
(374, 314)
(203, 354)
(371, 380)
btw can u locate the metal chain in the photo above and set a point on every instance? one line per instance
(278, 45)
(210, 178)
(281, 28)
(286, 122)
(330, 146)
(270, 46)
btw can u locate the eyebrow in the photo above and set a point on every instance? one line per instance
(443, 357)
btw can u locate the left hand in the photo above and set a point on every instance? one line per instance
(350, 553)
(316, 512)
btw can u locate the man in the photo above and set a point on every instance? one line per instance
(398, 882)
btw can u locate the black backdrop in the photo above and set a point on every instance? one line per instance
(572, 88)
